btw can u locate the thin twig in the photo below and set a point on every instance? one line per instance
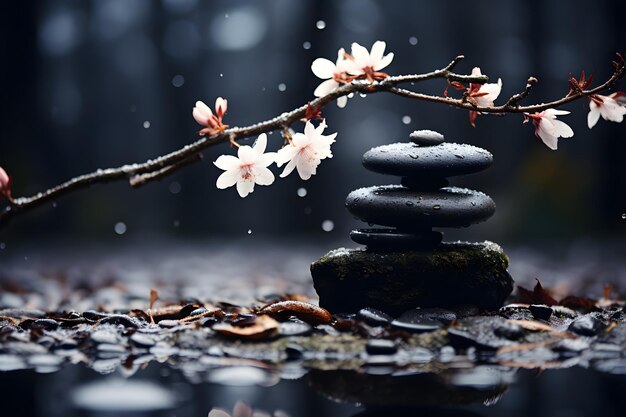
(140, 173)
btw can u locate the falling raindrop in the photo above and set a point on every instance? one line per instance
(306, 45)
(249, 231)
(350, 95)
(328, 225)
(221, 75)
(146, 124)
(363, 95)
(413, 40)
(436, 207)
(178, 80)
(406, 119)
(175, 187)
(176, 223)
(302, 192)
(282, 87)
(54, 205)
(320, 24)
(226, 16)
(3, 245)
(623, 216)
(120, 228)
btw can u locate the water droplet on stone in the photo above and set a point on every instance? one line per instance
(306, 45)
(120, 228)
(473, 203)
(406, 119)
(413, 40)
(178, 80)
(436, 207)
(413, 156)
(301, 192)
(282, 87)
(409, 203)
(146, 124)
(328, 225)
(320, 24)
(459, 156)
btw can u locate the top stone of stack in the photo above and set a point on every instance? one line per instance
(427, 156)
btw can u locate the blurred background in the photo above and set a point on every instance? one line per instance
(95, 84)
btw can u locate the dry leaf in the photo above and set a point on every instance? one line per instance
(534, 326)
(264, 327)
(307, 312)
(537, 296)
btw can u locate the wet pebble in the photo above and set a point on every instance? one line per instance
(67, 344)
(374, 317)
(381, 347)
(111, 348)
(509, 331)
(47, 324)
(168, 323)
(142, 340)
(120, 319)
(93, 315)
(419, 315)
(294, 328)
(417, 326)
(294, 352)
(540, 311)
(564, 312)
(46, 341)
(198, 311)
(104, 336)
(516, 312)
(587, 325)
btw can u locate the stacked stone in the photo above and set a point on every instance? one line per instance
(423, 201)
(405, 263)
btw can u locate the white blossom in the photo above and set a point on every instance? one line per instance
(369, 63)
(485, 94)
(248, 168)
(212, 122)
(306, 151)
(611, 108)
(334, 75)
(549, 129)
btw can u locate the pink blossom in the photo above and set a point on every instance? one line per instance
(5, 184)
(205, 117)
(611, 108)
(248, 168)
(334, 75)
(362, 62)
(306, 151)
(548, 129)
(482, 94)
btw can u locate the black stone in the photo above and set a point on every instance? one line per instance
(392, 239)
(418, 315)
(381, 347)
(509, 331)
(397, 206)
(424, 183)
(142, 340)
(411, 160)
(374, 317)
(450, 275)
(47, 324)
(540, 311)
(587, 325)
(426, 137)
(120, 319)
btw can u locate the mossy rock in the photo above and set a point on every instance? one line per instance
(451, 275)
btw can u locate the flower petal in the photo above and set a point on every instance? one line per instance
(285, 154)
(383, 63)
(323, 68)
(306, 168)
(218, 412)
(562, 129)
(221, 105)
(227, 162)
(200, 117)
(260, 144)
(290, 167)
(552, 113)
(309, 129)
(325, 87)
(203, 108)
(263, 176)
(377, 52)
(594, 115)
(244, 188)
(228, 179)
(550, 140)
(360, 54)
(246, 155)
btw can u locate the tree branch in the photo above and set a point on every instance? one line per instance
(154, 169)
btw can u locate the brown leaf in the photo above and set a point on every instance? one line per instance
(531, 325)
(307, 312)
(264, 327)
(537, 296)
(579, 303)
